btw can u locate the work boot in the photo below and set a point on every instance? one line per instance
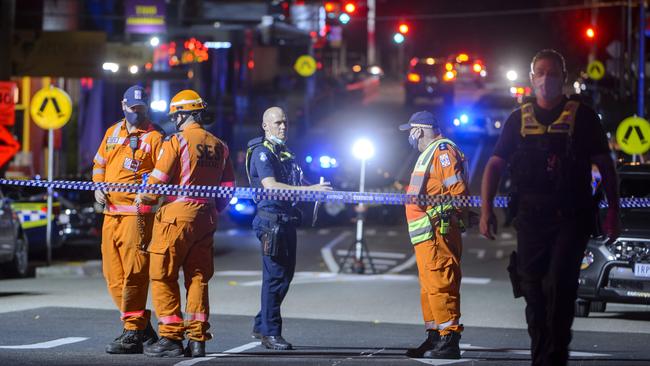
(448, 347)
(165, 347)
(149, 335)
(276, 343)
(195, 349)
(128, 343)
(432, 339)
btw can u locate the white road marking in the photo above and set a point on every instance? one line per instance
(571, 353)
(480, 253)
(226, 353)
(392, 233)
(323, 231)
(506, 235)
(375, 254)
(499, 253)
(238, 273)
(376, 260)
(328, 256)
(327, 277)
(475, 280)
(371, 232)
(48, 344)
(404, 266)
(507, 243)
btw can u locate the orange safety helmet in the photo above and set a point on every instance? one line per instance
(186, 101)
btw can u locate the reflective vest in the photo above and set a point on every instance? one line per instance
(543, 160)
(563, 124)
(420, 225)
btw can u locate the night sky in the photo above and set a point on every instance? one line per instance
(497, 39)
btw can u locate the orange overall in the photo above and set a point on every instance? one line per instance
(439, 170)
(183, 231)
(125, 267)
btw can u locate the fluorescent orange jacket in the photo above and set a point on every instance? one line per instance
(117, 162)
(192, 157)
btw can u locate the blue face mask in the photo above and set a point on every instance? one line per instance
(135, 118)
(276, 140)
(413, 141)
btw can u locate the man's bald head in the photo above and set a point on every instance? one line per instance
(274, 123)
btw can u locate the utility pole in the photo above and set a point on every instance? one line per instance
(641, 78)
(6, 34)
(371, 32)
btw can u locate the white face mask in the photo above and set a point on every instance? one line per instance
(276, 140)
(548, 87)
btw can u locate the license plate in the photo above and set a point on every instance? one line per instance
(642, 269)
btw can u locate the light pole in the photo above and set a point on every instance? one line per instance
(363, 149)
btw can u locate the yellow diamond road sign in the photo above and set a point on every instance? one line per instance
(596, 70)
(633, 135)
(305, 66)
(51, 108)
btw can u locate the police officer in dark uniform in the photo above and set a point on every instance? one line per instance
(549, 145)
(270, 164)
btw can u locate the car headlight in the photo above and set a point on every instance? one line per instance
(587, 260)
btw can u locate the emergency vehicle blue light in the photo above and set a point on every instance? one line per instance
(309, 159)
(240, 207)
(456, 122)
(234, 200)
(464, 118)
(325, 162)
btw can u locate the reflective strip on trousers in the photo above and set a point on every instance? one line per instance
(171, 319)
(202, 317)
(99, 171)
(447, 324)
(132, 314)
(430, 325)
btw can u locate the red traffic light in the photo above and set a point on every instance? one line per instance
(403, 28)
(349, 8)
(590, 33)
(330, 7)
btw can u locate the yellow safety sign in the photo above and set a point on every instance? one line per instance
(305, 66)
(633, 135)
(51, 108)
(596, 70)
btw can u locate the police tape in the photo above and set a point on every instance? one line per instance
(285, 194)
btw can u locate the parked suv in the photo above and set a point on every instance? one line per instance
(620, 271)
(14, 249)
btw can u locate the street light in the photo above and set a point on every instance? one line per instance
(363, 149)
(511, 75)
(154, 41)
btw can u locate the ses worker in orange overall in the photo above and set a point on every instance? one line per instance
(128, 150)
(435, 233)
(184, 228)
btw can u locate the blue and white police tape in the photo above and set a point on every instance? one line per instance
(285, 194)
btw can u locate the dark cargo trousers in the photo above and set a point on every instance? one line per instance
(550, 247)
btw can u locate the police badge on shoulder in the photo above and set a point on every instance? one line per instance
(131, 164)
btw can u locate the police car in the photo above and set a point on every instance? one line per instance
(619, 272)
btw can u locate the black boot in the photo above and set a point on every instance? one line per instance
(165, 347)
(276, 343)
(128, 343)
(195, 349)
(448, 347)
(149, 336)
(432, 339)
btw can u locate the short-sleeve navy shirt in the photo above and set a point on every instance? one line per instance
(264, 163)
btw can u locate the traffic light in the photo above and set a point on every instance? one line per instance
(330, 6)
(398, 38)
(403, 28)
(590, 32)
(349, 7)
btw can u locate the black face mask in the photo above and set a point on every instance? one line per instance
(135, 118)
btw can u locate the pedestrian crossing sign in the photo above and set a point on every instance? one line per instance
(633, 135)
(305, 66)
(51, 108)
